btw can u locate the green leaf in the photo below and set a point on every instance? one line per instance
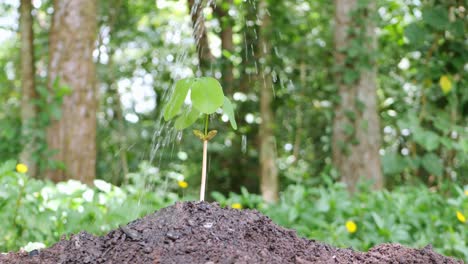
(441, 121)
(62, 90)
(413, 162)
(43, 92)
(427, 139)
(457, 28)
(379, 221)
(187, 118)
(211, 134)
(447, 142)
(199, 134)
(409, 121)
(7, 166)
(177, 99)
(351, 115)
(416, 34)
(350, 76)
(322, 205)
(433, 164)
(436, 17)
(393, 163)
(55, 111)
(348, 129)
(228, 109)
(207, 95)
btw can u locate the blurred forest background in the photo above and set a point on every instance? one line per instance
(327, 94)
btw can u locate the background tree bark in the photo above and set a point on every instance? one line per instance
(28, 87)
(268, 169)
(356, 127)
(72, 41)
(227, 43)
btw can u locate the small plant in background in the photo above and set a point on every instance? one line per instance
(410, 215)
(69, 207)
(207, 97)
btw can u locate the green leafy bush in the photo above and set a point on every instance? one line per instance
(41, 211)
(412, 216)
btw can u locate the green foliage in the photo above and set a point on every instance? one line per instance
(177, 99)
(144, 46)
(187, 118)
(206, 96)
(40, 211)
(10, 120)
(413, 216)
(423, 103)
(228, 109)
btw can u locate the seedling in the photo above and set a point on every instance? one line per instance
(207, 97)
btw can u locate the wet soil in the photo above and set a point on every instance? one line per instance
(194, 232)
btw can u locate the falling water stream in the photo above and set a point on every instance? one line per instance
(166, 140)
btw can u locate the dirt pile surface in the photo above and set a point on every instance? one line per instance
(200, 232)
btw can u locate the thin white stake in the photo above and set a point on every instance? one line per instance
(203, 182)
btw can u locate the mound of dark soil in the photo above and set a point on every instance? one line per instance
(205, 233)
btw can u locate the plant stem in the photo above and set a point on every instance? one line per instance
(207, 119)
(19, 229)
(203, 182)
(205, 154)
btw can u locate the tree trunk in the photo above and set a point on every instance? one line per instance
(227, 43)
(299, 114)
(28, 108)
(356, 127)
(72, 40)
(205, 56)
(268, 169)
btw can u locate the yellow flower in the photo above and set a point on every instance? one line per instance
(466, 192)
(351, 226)
(236, 206)
(461, 217)
(445, 84)
(182, 184)
(21, 168)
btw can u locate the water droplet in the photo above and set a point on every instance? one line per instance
(244, 144)
(274, 76)
(276, 51)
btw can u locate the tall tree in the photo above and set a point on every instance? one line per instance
(356, 127)
(227, 43)
(28, 87)
(268, 169)
(73, 136)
